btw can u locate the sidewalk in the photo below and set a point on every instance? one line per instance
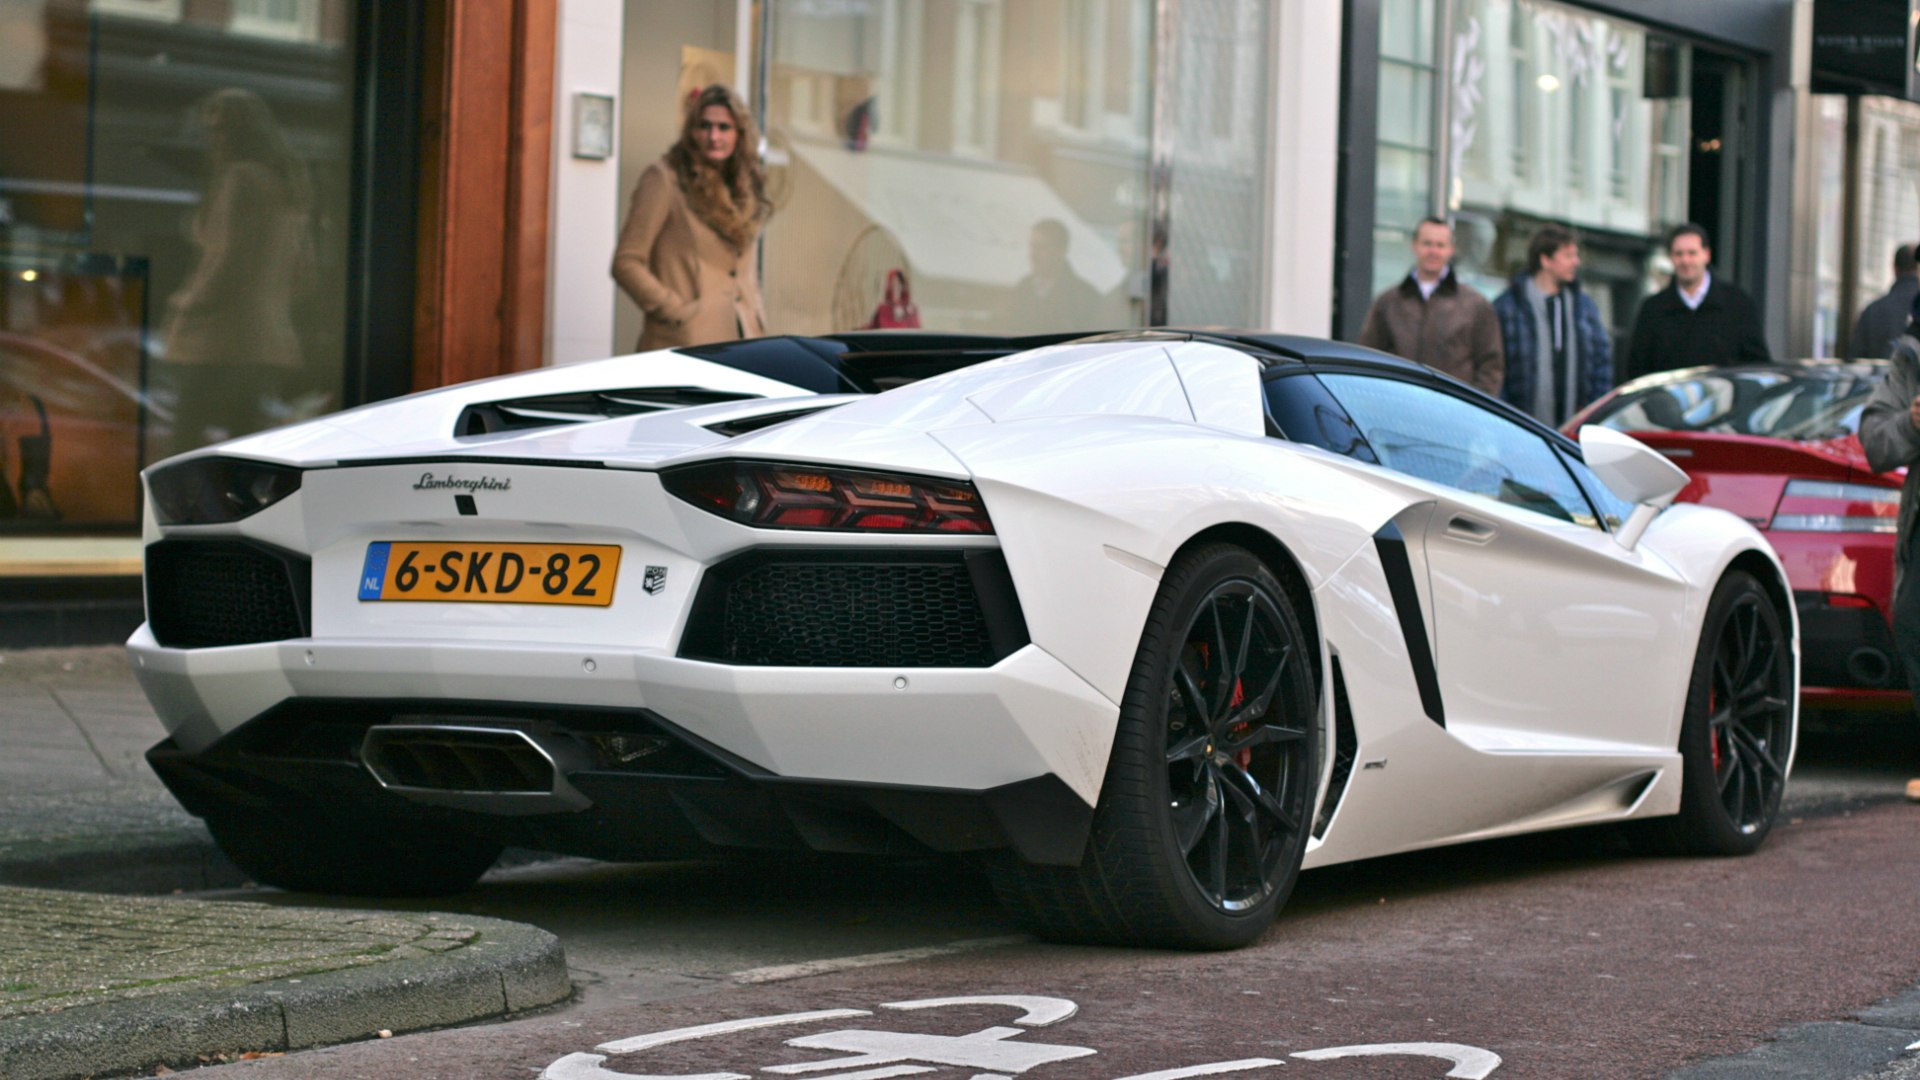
(93, 984)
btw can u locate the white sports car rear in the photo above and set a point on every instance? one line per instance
(1146, 623)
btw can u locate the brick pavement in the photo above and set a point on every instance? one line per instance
(93, 983)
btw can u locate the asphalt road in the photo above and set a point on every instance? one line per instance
(1560, 956)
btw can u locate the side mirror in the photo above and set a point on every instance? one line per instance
(1634, 471)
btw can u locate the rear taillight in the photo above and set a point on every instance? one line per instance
(1825, 506)
(770, 496)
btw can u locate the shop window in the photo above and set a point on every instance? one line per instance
(173, 247)
(993, 185)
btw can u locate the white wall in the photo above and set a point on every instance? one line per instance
(1304, 195)
(586, 194)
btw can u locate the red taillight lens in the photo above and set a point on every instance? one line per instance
(798, 497)
(1826, 506)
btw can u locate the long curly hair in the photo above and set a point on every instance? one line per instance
(730, 197)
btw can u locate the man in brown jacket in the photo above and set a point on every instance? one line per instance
(1432, 319)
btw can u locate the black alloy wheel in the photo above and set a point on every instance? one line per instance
(1207, 802)
(1238, 768)
(1737, 736)
(1749, 713)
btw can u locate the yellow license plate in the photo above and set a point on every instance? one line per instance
(491, 573)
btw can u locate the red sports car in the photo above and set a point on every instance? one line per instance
(1776, 444)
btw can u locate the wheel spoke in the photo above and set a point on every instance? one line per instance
(1729, 752)
(1241, 782)
(1751, 747)
(1217, 663)
(1263, 735)
(1190, 820)
(1192, 700)
(1217, 855)
(1193, 749)
(1757, 705)
(1754, 660)
(1246, 640)
(1737, 781)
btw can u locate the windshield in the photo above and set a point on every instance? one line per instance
(1803, 406)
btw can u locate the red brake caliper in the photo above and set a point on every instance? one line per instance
(1245, 756)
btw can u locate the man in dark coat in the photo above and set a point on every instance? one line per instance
(1432, 319)
(1882, 321)
(1890, 434)
(1697, 320)
(1559, 355)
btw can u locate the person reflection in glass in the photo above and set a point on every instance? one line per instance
(1052, 297)
(231, 346)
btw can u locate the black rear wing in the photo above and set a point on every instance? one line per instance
(868, 361)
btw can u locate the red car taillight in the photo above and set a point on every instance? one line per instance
(770, 496)
(1826, 506)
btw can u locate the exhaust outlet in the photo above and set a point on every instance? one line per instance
(1869, 666)
(489, 770)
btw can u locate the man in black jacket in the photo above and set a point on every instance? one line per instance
(1882, 321)
(1698, 319)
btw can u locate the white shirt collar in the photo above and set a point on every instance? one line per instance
(1427, 287)
(1692, 300)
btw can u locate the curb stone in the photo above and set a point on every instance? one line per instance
(510, 968)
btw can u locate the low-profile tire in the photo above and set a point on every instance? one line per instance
(310, 852)
(1204, 813)
(1737, 736)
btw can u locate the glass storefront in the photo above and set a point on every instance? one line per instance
(173, 240)
(1551, 114)
(1885, 197)
(985, 159)
(983, 165)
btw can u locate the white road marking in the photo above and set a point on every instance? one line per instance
(1469, 1062)
(886, 1073)
(1915, 1046)
(993, 1048)
(1040, 1011)
(724, 1027)
(783, 972)
(1208, 1070)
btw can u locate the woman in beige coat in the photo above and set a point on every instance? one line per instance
(688, 252)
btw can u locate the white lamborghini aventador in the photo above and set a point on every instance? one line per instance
(1145, 623)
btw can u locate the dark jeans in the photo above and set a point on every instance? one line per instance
(1906, 616)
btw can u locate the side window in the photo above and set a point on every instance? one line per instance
(1435, 436)
(1306, 413)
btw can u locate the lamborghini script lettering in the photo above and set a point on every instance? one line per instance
(430, 482)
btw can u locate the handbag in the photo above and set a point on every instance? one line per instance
(896, 310)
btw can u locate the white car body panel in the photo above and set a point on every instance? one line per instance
(423, 423)
(1563, 657)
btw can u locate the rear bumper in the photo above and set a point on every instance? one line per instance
(685, 800)
(966, 729)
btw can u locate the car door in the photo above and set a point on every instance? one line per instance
(1546, 630)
